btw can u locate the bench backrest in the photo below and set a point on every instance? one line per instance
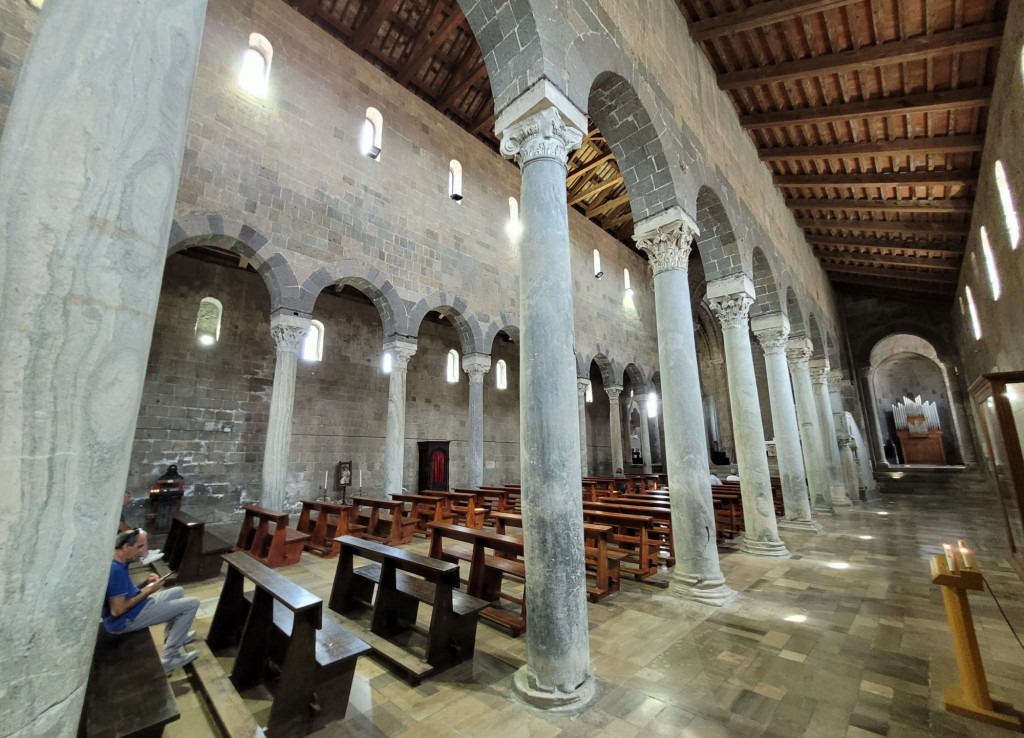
(282, 589)
(497, 541)
(273, 516)
(616, 518)
(432, 570)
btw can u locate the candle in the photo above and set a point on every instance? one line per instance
(966, 555)
(950, 558)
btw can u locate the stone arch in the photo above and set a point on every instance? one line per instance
(246, 241)
(390, 306)
(814, 333)
(505, 323)
(795, 313)
(609, 375)
(929, 333)
(766, 287)
(637, 379)
(719, 248)
(454, 308)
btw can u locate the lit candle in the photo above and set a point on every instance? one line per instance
(950, 558)
(966, 555)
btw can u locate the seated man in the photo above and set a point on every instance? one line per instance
(128, 608)
(148, 555)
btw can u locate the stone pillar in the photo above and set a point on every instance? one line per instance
(731, 298)
(846, 466)
(401, 350)
(667, 239)
(288, 330)
(850, 475)
(956, 409)
(798, 353)
(615, 425)
(539, 130)
(476, 366)
(91, 159)
(772, 333)
(818, 368)
(645, 434)
(582, 385)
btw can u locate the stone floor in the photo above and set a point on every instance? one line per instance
(846, 638)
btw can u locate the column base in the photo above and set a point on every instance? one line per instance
(802, 526)
(824, 509)
(764, 548)
(554, 700)
(713, 592)
(840, 498)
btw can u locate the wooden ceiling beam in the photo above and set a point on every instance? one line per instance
(936, 178)
(938, 248)
(840, 259)
(427, 47)
(589, 166)
(888, 226)
(937, 145)
(456, 87)
(368, 31)
(872, 206)
(970, 38)
(607, 206)
(887, 286)
(929, 102)
(589, 192)
(900, 273)
(759, 16)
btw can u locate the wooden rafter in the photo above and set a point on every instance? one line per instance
(424, 47)
(887, 285)
(888, 226)
(456, 87)
(898, 273)
(875, 245)
(937, 206)
(589, 166)
(936, 178)
(593, 190)
(759, 16)
(609, 205)
(368, 31)
(937, 145)
(867, 260)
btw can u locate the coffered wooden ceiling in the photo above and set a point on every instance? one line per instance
(870, 114)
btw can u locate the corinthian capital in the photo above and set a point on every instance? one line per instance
(667, 239)
(543, 135)
(614, 392)
(401, 351)
(288, 332)
(819, 370)
(799, 352)
(476, 366)
(773, 340)
(731, 298)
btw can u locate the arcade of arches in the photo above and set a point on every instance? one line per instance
(249, 286)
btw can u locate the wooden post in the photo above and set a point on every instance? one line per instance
(971, 698)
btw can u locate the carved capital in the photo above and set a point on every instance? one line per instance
(613, 393)
(668, 246)
(401, 351)
(799, 352)
(543, 135)
(819, 374)
(582, 385)
(733, 310)
(773, 340)
(288, 332)
(476, 366)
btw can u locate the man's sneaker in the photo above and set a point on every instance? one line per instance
(186, 658)
(153, 556)
(192, 637)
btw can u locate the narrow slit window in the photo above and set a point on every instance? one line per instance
(313, 343)
(627, 284)
(514, 227)
(990, 265)
(372, 134)
(597, 264)
(501, 375)
(208, 321)
(385, 362)
(452, 368)
(255, 75)
(652, 405)
(588, 396)
(1010, 216)
(973, 310)
(455, 180)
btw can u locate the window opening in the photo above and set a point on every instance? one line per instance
(255, 75)
(973, 310)
(385, 362)
(452, 369)
(501, 375)
(313, 343)
(515, 227)
(597, 264)
(990, 265)
(652, 405)
(372, 134)
(1009, 209)
(455, 180)
(589, 395)
(208, 321)
(626, 281)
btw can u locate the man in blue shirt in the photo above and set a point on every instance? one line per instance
(128, 608)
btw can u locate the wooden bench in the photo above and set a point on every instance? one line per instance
(661, 513)
(495, 499)
(127, 693)
(386, 520)
(315, 658)
(486, 571)
(731, 506)
(324, 521)
(192, 551)
(266, 537)
(403, 580)
(426, 509)
(464, 506)
(634, 535)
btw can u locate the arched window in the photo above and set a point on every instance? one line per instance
(372, 134)
(597, 264)
(208, 321)
(514, 227)
(1010, 216)
(385, 362)
(990, 264)
(455, 180)
(501, 375)
(627, 284)
(973, 310)
(255, 73)
(451, 371)
(313, 343)
(589, 394)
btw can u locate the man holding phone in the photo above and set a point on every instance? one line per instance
(128, 608)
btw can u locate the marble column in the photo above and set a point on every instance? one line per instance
(539, 130)
(819, 369)
(582, 385)
(645, 434)
(476, 367)
(798, 354)
(615, 425)
(667, 238)
(730, 299)
(288, 331)
(846, 465)
(772, 333)
(401, 350)
(91, 159)
(877, 438)
(850, 475)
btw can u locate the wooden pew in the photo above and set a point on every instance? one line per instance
(463, 505)
(127, 693)
(266, 537)
(426, 509)
(315, 658)
(513, 495)
(661, 513)
(386, 521)
(403, 580)
(191, 551)
(731, 504)
(486, 571)
(324, 521)
(633, 535)
(495, 499)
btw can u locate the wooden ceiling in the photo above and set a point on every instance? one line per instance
(870, 114)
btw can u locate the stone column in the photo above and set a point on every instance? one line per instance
(582, 385)
(476, 366)
(645, 434)
(667, 239)
(798, 353)
(539, 130)
(288, 330)
(772, 333)
(731, 298)
(956, 408)
(401, 350)
(850, 475)
(846, 466)
(818, 368)
(615, 425)
(91, 159)
(877, 438)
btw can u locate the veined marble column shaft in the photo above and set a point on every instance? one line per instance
(539, 130)
(818, 368)
(772, 333)
(91, 159)
(667, 239)
(582, 385)
(615, 425)
(401, 350)
(798, 353)
(476, 366)
(288, 331)
(731, 298)
(847, 466)
(645, 434)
